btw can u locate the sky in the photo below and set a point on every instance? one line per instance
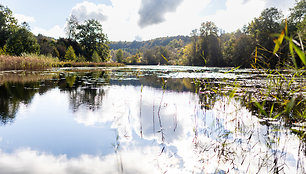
(129, 20)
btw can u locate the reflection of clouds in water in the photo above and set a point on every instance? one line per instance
(121, 107)
(228, 137)
(238, 142)
(27, 161)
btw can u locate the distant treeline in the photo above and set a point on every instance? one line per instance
(133, 47)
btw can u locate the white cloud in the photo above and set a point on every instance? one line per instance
(54, 32)
(27, 161)
(123, 18)
(87, 10)
(23, 18)
(120, 20)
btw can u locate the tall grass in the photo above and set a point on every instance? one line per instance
(26, 62)
(41, 62)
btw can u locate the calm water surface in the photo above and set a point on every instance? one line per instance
(139, 120)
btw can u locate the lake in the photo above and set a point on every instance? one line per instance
(151, 119)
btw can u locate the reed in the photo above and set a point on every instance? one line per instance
(26, 62)
(41, 62)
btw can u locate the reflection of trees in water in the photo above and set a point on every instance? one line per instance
(84, 88)
(11, 95)
(91, 98)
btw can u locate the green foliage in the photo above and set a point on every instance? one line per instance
(208, 28)
(55, 52)
(243, 48)
(22, 41)
(135, 46)
(157, 55)
(119, 56)
(205, 48)
(92, 38)
(8, 24)
(261, 29)
(3, 50)
(298, 12)
(81, 58)
(134, 59)
(70, 54)
(96, 57)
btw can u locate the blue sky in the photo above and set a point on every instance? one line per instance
(141, 19)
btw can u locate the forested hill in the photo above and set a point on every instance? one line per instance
(136, 45)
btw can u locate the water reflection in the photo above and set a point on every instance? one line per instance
(11, 96)
(102, 121)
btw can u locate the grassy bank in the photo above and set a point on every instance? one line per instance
(33, 62)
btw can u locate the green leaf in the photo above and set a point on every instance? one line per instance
(233, 69)
(260, 107)
(271, 111)
(292, 53)
(300, 53)
(290, 105)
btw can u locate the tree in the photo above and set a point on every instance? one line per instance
(261, 29)
(297, 20)
(298, 12)
(243, 48)
(55, 52)
(149, 56)
(193, 57)
(210, 46)
(46, 47)
(22, 41)
(92, 38)
(96, 57)
(70, 54)
(208, 28)
(71, 27)
(119, 55)
(8, 24)
(268, 23)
